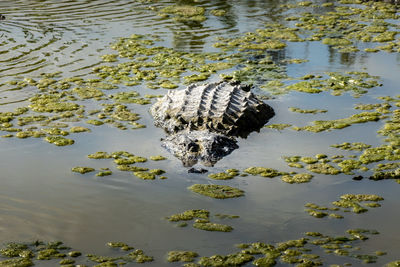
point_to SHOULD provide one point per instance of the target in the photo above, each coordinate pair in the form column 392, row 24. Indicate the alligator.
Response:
column 203, row 121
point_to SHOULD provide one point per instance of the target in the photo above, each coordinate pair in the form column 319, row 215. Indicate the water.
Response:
column 40, row 198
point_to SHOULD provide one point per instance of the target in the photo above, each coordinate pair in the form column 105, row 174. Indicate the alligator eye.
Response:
column 193, row 147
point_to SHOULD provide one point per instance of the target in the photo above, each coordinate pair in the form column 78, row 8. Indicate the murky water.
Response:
column 40, row 198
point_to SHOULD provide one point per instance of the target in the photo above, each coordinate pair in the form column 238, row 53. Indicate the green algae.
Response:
column 357, row 203
column 16, row 263
column 78, row 129
column 218, row 12
column 319, row 126
column 297, row 178
column 227, row 175
column 262, row 171
column 278, row 126
column 99, row 155
column 208, row 226
column 185, row 12
column 189, row 215
column 323, row 168
column 351, row 146
column 59, row 140
column 83, row 170
column 95, row 122
column 156, row 171
column 237, row 259
column 157, row 158
column 311, row 111
column 104, row 173
column 216, row 191
column 184, row 256
column 144, row 175
column 129, row 97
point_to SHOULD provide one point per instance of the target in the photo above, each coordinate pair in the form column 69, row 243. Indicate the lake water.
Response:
column 41, row 198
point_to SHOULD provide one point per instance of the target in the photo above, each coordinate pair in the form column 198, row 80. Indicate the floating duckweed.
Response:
column 144, row 175
column 278, row 126
column 316, row 214
column 323, row 168
column 116, row 244
column 216, row 191
column 297, row 178
column 59, row 140
column 320, row 126
column 157, row 158
column 237, row 259
column 185, row 12
column 55, row 131
column 156, row 171
column 129, row 97
column 79, row 129
column 208, row 226
column 189, row 215
column 295, row 165
column 51, row 103
column 348, row 165
column 83, row 170
column 66, row 261
column 351, row 146
column 26, row 134
column 88, row 92
column 375, row 154
column 104, row 173
column 264, row 172
column 99, row 155
column 228, row 174
column 16, row 262
column 130, row 160
column 47, row 254
column 336, row 41
column 308, row 160
column 185, row 256
column 139, row 256
column 95, row 122
column 218, row 12
column 312, row 111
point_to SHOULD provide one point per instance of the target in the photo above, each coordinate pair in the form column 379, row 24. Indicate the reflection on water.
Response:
column 40, row 198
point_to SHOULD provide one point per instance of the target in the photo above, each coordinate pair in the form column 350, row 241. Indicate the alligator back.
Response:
column 221, row 107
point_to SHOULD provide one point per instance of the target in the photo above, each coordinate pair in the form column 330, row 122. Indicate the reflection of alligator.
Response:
column 203, row 120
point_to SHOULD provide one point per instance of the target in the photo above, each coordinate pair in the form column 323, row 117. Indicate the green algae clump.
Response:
column 216, row 191
column 79, row 129
column 208, row 226
column 83, row 170
column 157, row 158
column 59, row 140
column 228, row 174
column 144, row 175
column 185, row 256
column 323, row 168
column 99, row 155
column 237, row 259
column 264, row 172
column 189, row 215
column 297, row 178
